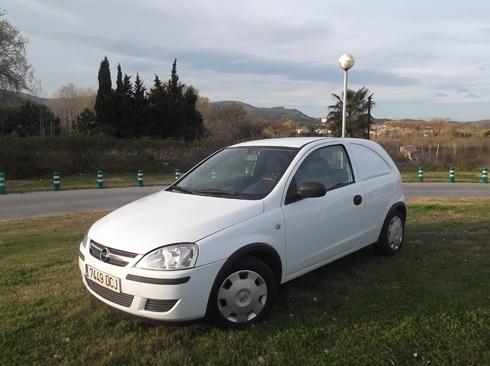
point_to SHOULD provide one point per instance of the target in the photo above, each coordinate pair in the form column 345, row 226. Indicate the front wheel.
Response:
column 243, row 294
column 392, row 233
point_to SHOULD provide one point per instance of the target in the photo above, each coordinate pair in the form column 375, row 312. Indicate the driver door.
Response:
column 320, row 229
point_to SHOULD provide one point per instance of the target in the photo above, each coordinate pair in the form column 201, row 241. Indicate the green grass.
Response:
column 87, row 181
column 432, row 300
column 441, row 176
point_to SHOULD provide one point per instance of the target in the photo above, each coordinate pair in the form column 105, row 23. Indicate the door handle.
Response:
column 357, row 200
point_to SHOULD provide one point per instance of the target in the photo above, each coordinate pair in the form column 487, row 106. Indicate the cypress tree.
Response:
column 104, row 102
column 176, row 122
column 119, row 104
column 119, row 81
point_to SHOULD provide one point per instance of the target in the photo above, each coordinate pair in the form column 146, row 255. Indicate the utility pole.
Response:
column 370, row 99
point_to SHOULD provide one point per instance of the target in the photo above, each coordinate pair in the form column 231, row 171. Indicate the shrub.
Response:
column 31, row 157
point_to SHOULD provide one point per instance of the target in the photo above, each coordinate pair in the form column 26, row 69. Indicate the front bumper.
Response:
column 156, row 295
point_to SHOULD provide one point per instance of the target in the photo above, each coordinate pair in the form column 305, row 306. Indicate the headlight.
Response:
column 85, row 241
column 171, row 257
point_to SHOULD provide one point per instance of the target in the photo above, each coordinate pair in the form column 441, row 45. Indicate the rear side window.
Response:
column 370, row 164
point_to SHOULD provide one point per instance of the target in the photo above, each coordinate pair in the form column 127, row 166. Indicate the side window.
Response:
column 329, row 165
column 370, row 164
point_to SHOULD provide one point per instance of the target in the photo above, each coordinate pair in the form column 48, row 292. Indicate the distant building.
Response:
column 302, row 131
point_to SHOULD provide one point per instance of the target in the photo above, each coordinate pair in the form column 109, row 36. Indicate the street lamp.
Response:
column 346, row 61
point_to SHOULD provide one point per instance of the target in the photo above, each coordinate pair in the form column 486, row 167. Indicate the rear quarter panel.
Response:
column 380, row 192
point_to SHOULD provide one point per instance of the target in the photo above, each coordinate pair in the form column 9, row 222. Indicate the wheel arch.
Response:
column 400, row 206
column 265, row 252
column 397, row 206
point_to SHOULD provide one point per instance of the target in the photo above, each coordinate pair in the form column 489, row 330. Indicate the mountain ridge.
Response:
column 279, row 113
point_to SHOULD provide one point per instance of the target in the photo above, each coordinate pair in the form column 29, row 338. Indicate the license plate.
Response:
column 103, row 279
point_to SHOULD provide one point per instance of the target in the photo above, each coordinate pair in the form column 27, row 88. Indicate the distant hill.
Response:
column 272, row 114
column 12, row 99
column 483, row 122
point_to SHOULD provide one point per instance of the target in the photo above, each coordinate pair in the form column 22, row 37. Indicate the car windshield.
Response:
column 238, row 172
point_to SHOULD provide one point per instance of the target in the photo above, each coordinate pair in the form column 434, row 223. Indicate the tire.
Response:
column 392, row 234
column 242, row 293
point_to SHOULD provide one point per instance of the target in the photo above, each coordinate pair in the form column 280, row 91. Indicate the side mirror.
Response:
column 311, row 189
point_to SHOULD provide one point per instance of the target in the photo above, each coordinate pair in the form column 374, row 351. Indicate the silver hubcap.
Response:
column 395, row 232
column 242, row 296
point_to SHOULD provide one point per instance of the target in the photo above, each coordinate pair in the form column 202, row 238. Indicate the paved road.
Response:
column 430, row 190
column 24, row 205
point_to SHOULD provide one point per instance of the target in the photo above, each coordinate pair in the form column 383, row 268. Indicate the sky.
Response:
column 421, row 59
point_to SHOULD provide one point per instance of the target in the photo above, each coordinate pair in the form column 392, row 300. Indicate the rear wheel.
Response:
column 243, row 294
column 392, row 233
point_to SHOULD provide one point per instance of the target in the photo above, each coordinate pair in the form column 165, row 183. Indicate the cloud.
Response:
column 277, row 51
column 226, row 61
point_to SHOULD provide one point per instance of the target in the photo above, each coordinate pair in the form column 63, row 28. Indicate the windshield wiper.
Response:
column 217, row 192
column 181, row 189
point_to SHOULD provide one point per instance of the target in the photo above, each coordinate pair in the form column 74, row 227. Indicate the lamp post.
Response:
column 346, row 61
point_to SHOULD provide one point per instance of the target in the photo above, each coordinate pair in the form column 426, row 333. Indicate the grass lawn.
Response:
column 428, row 305
column 87, row 181
column 441, row 176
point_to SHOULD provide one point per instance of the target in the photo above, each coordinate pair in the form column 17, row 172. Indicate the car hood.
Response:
column 170, row 217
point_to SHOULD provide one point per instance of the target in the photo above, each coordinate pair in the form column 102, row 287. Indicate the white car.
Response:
column 219, row 241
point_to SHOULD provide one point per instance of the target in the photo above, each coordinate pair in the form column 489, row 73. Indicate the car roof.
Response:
column 282, row 142
column 295, row 142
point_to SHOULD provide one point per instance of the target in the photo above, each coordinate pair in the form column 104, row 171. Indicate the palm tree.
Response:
column 356, row 114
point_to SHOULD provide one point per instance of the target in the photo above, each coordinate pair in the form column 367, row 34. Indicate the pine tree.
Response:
column 193, row 119
column 139, row 121
column 158, row 103
column 126, row 113
column 139, row 89
column 104, row 102
column 127, row 87
column 85, row 122
column 174, row 87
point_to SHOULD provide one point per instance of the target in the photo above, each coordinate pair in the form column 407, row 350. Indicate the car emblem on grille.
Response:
column 104, row 255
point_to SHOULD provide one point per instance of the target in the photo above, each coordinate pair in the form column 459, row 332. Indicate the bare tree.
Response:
column 15, row 72
column 69, row 101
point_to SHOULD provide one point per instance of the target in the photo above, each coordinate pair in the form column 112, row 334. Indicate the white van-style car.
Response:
column 219, row 241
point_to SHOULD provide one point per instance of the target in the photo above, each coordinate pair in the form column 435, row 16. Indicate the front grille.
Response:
column 115, row 297
column 96, row 249
column 159, row 305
